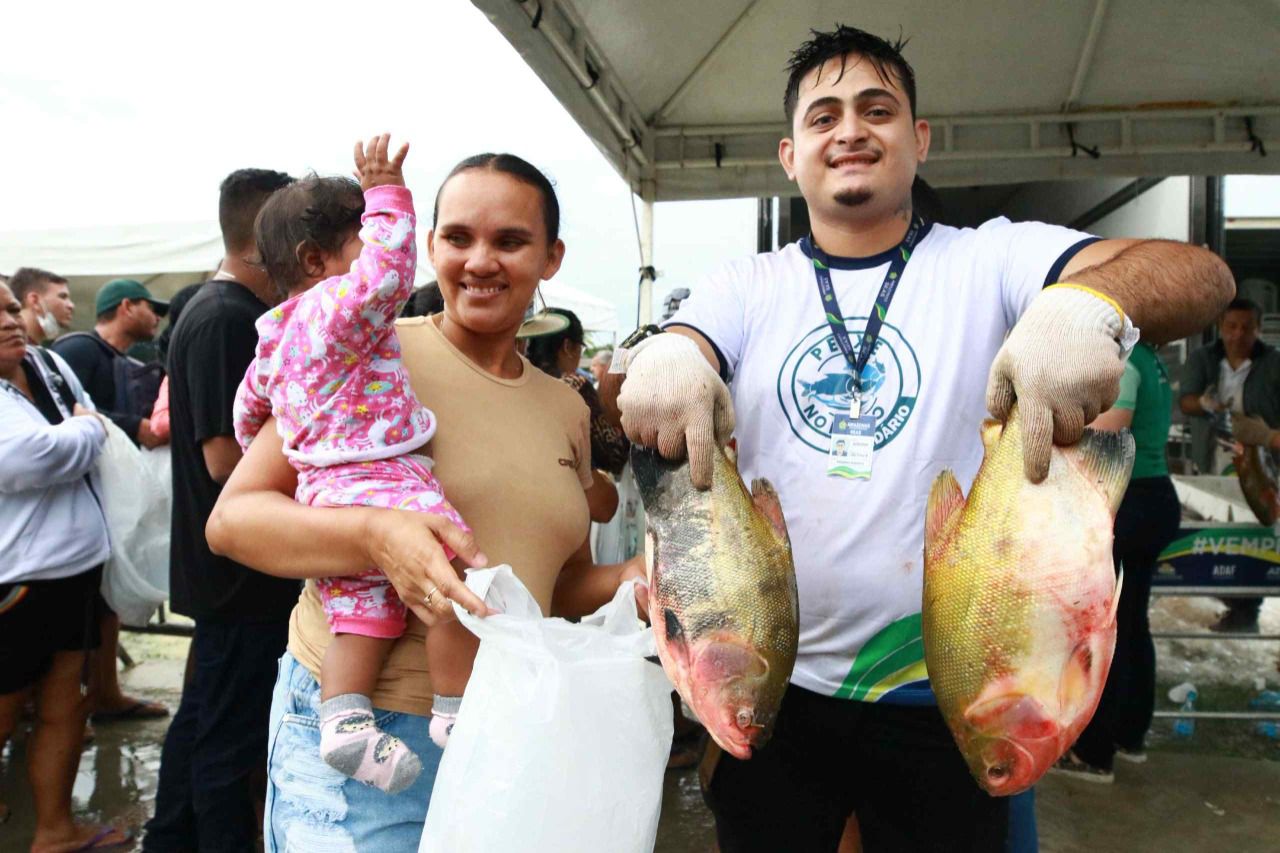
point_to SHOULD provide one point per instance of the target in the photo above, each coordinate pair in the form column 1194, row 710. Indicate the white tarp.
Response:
column 169, row 256
column 165, row 256
column 597, row 315
column 685, row 99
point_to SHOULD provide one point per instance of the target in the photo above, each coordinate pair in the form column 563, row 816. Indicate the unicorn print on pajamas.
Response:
column 328, row 368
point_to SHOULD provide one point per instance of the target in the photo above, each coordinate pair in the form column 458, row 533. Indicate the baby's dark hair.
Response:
column 313, row 213
column 520, row 169
column 884, row 56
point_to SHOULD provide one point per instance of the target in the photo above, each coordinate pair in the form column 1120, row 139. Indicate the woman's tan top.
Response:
column 514, row 457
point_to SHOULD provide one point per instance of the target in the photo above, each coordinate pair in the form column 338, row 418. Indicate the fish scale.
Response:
column 722, row 595
column 1018, row 610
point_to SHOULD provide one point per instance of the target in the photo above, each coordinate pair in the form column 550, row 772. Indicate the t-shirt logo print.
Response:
column 815, row 384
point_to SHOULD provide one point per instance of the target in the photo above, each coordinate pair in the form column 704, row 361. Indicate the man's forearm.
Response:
column 610, row 386
column 1190, row 405
column 1169, row 290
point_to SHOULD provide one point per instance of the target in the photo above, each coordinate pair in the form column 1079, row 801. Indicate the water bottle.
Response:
column 1184, row 694
column 1267, row 700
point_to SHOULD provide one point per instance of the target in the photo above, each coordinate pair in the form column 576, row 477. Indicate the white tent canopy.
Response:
column 164, row 256
column 685, row 99
column 169, row 256
column 597, row 315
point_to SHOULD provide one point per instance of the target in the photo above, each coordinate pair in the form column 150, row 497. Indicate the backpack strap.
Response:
column 56, row 380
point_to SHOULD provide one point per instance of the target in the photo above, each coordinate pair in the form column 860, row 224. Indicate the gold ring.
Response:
column 431, row 595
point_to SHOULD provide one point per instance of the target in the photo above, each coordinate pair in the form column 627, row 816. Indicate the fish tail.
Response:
column 1106, row 459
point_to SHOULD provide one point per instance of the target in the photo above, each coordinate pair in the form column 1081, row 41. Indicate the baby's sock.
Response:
column 352, row 744
column 444, row 713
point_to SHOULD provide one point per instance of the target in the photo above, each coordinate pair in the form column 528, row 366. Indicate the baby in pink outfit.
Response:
column 328, row 369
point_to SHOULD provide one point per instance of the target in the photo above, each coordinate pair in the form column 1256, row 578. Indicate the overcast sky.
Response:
column 135, row 117
column 123, row 113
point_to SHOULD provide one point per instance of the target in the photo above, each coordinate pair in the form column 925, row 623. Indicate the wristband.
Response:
column 622, row 354
column 1129, row 334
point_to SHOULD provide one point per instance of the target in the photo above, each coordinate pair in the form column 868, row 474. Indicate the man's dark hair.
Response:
column 885, row 57
column 520, row 169
column 240, row 197
column 543, row 349
column 1240, row 303
column 32, row 280
column 313, row 213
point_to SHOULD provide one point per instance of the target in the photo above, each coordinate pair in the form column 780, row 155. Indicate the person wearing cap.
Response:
column 127, row 314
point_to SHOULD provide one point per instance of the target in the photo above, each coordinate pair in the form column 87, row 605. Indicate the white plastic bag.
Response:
column 563, row 735
column 136, row 492
column 622, row 537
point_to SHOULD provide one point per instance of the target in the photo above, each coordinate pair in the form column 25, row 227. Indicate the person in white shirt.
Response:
column 54, row 539
column 1235, row 377
column 914, row 330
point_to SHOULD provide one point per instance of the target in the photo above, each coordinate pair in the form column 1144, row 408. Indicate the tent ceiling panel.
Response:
column 688, row 95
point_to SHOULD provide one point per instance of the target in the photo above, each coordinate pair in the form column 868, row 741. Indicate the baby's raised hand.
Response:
column 373, row 167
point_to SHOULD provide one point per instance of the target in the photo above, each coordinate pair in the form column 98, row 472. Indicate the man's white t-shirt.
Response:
column 1231, row 383
column 858, row 544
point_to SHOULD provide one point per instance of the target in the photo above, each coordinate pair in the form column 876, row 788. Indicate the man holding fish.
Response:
column 893, row 336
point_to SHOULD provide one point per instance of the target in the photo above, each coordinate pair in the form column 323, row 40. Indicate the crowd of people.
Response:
column 305, row 383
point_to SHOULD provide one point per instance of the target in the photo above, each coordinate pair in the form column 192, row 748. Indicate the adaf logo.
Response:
column 816, row 383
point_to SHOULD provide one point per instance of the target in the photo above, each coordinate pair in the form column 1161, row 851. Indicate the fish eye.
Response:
column 745, row 717
column 998, row 773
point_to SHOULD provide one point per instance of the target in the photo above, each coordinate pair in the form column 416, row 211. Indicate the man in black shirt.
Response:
column 215, row 752
column 127, row 314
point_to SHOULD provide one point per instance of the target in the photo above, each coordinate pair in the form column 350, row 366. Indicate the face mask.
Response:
column 48, row 325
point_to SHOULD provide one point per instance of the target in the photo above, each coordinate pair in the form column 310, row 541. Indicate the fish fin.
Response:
column 945, row 500
column 672, row 626
column 1106, row 460
column 765, row 497
column 991, row 431
column 1115, row 599
column 653, row 475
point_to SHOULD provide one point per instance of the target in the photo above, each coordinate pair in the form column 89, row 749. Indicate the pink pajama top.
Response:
column 328, row 361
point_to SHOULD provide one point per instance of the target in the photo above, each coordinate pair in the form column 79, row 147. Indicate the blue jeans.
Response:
column 311, row 806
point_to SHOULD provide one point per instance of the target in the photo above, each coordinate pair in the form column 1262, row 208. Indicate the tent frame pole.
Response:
column 648, row 194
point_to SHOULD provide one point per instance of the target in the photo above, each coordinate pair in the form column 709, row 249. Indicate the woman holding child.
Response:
column 511, row 451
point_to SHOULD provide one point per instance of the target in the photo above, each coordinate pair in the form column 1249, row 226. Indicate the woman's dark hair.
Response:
column 885, row 57
column 313, row 213
column 426, row 301
column 520, row 169
column 544, row 349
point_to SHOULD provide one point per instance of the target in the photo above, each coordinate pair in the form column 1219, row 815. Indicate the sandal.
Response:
column 106, row 838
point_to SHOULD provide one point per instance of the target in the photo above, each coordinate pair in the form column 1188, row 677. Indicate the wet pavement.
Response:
column 1218, row 790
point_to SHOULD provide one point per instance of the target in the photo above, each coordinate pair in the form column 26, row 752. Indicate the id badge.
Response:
column 853, row 441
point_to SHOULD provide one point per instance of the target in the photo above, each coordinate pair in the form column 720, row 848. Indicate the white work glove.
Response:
column 674, row 401
column 1209, row 401
column 1062, row 364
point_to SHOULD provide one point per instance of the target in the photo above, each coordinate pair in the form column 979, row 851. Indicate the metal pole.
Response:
column 648, row 192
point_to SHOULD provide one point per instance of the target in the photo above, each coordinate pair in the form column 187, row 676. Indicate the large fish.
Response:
column 1258, row 482
column 1020, row 596
column 722, row 595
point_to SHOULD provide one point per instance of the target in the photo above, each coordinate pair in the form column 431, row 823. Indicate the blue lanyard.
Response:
column 822, row 272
